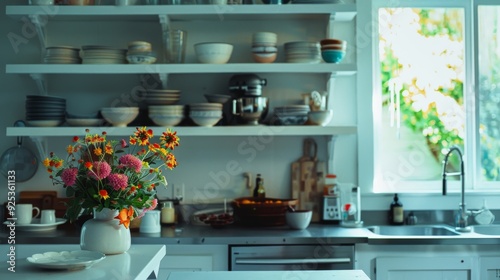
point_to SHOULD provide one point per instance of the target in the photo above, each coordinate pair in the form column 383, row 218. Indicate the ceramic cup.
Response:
column 150, row 222
column 48, row 216
column 24, row 213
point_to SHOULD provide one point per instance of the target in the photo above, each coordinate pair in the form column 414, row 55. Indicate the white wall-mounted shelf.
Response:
column 338, row 12
column 325, row 68
column 242, row 130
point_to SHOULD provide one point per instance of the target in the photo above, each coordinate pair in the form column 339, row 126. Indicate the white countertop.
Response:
column 139, row 262
column 252, row 275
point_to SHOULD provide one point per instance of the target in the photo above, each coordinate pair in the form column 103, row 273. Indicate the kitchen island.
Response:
column 138, row 263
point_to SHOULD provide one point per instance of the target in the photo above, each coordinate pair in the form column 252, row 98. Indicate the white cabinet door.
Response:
column 193, row 258
column 428, row 268
column 489, row 268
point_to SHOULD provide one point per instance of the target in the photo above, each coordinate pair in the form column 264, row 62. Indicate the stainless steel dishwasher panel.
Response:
column 292, row 257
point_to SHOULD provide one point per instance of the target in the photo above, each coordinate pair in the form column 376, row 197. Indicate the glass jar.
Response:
column 168, row 213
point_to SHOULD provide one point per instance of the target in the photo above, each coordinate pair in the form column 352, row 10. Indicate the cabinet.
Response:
column 193, row 258
column 429, row 261
column 50, row 22
column 489, row 268
column 416, row 268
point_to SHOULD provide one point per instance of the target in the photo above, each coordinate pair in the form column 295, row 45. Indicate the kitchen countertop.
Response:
column 139, row 262
column 234, row 235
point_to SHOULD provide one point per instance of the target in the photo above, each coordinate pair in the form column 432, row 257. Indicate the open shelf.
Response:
column 302, row 130
column 337, row 12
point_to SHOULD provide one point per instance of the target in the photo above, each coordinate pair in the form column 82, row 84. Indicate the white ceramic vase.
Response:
column 104, row 234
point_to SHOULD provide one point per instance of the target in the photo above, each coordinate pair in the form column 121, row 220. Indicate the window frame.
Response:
column 369, row 97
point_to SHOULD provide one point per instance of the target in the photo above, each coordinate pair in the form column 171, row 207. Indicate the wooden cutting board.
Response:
column 308, row 179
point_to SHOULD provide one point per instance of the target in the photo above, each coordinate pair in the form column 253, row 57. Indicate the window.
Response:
column 432, row 90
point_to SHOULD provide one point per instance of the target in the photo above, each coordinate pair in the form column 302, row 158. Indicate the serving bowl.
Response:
column 255, row 211
column 298, row 219
column 165, row 120
column 322, row 117
column 120, row 116
column 205, row 121
column 215, row 53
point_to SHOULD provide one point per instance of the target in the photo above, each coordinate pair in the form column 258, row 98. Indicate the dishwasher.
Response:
column 291, row 257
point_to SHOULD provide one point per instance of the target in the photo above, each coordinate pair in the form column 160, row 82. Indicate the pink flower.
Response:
column 118, row 181
column 68, row 176
column 132, row 162
column 154, row 203
column 100, row 170
column 123, row 143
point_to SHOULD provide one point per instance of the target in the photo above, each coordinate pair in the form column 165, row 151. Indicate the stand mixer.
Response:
column 249, row 104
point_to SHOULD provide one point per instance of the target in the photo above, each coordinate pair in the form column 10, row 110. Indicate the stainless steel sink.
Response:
column 487, row 229
column 420, row 230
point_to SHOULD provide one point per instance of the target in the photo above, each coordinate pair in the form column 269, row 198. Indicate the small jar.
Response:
column 168, row 213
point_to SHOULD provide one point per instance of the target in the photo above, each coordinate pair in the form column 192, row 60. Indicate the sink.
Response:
column 431, row 230
column 487, row 229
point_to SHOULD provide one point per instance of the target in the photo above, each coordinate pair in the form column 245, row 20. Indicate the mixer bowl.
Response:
column 251, row 109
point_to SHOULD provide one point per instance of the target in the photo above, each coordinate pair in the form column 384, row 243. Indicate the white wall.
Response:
column 202, row 161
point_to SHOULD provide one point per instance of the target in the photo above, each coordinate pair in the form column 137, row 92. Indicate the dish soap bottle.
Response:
column 261, row 192
column 396, row 215
column 258, row 181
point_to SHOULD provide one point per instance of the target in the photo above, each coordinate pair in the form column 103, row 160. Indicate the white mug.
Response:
column 24, row 213
column 150, row 222
column 48, row 216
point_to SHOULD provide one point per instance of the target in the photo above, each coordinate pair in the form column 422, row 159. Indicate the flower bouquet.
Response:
column 120, row 175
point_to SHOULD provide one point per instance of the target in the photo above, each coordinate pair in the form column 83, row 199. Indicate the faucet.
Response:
column 461, row 219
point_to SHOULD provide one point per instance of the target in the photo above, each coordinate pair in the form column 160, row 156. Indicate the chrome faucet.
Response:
column 461, row 219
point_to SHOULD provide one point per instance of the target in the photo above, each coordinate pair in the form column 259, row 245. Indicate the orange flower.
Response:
column 97, row 151
column 125, row 215
column 46, row 162
column 108, row 148
column 169, row 139
column 104, row 194
column 142, row 136
column 58, row 163
column 88, row 165
column 69, row 149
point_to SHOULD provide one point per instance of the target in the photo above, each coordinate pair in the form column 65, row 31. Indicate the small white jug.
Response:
column 150, row 222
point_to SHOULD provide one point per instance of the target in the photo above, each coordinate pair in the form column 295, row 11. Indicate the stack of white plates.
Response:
column 291, row 114
column 302, row 52
column 62, row 55
column 45, row 110
column 161, row 96
column 205, row 114
column 166, row 115
column 103, row 55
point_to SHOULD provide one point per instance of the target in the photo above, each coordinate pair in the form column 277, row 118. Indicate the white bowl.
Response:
column 214, row 113
column 166, row 120
column 84, row 122
column 141, row 59
column 298, row 219
column 320, row 117
column 216, row 53
column 120, row 116
column 205, row 121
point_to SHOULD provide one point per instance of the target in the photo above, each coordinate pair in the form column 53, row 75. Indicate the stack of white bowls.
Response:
column 103, row 55
column 161, row 96
column 45, row 110
column 140, row 52
column 291, row 114
column 302, row 52
column 119, row 116
column 166, row 115
column 264, row 47
column 205, row 114
column 62, row 55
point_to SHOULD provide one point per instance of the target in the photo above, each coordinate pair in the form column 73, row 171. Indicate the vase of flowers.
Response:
column 114, row 180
